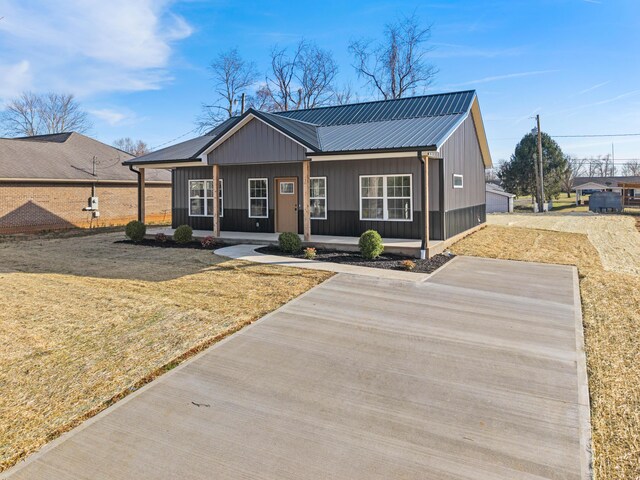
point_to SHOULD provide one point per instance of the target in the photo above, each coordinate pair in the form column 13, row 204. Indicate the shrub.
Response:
column 370, row 244
column 408, row 265
column 135, row 230
column 183, row 234
column 161, row 238
column 289, row 242
column 310, row 253
column 208, row 242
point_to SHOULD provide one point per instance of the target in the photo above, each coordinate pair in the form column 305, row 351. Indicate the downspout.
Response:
column 137, row 172
column 423, row 207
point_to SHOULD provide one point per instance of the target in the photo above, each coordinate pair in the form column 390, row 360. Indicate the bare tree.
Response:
column 60, row 112
column 232, row 76
column 280, row 91
column 21, row 117
column 345, row 96
column 302, row 78
column 631, row 168
column 33, row 114
column 135, row 148
column 316, row 74
column 575, row 168
column 397, row 66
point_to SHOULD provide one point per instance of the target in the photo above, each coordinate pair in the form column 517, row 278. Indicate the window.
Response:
column 457, row 181
column 386, row 197
column 201, row 198
column 286, row 188
column 258, row 198
column 318, row 198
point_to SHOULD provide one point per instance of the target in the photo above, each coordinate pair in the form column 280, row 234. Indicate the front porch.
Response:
column 400, row 246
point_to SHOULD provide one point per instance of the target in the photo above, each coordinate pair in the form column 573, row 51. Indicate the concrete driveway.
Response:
column 472, row 374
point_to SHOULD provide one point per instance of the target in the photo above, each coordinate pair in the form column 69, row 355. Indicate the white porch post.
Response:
column 216, row 200
column 306, row 199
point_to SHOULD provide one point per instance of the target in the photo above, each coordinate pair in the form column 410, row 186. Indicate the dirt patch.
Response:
column 615, row 237
column 611, row 316
column 85, row 321
column 385, row 261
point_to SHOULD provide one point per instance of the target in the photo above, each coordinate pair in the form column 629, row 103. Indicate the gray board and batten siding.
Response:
column 343, row 186
column 464, row 207
column 257, row 142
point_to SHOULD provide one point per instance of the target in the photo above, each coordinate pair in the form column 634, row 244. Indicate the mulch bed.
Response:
column 386, row 261
column 149, row 242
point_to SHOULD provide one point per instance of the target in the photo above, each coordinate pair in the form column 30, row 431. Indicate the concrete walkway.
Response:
column 248, row 253
column 476, row 373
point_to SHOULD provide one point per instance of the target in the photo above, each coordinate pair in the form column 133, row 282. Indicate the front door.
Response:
column 287, row 204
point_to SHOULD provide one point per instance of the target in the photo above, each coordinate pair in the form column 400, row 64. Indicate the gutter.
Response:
column 140, row 199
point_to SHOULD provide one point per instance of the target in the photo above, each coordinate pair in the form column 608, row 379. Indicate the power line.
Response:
column 174, row 139
column 598, row 135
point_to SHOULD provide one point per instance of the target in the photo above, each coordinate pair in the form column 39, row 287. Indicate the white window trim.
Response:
column 385, row 198
column 221, row 190
column 454, row 180
column 266, row 182
column 326, row 194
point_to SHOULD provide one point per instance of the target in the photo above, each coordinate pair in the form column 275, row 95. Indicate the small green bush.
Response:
column 135, row 231
column 289, row 242
column 183, row 234
column 370, row 244
column 310, row 253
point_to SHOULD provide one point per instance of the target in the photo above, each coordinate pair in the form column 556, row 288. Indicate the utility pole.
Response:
column 541, row 166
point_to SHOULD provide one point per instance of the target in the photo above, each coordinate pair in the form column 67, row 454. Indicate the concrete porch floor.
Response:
column 402, row 246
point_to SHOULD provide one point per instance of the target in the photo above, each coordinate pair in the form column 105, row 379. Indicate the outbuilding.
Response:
column 498, row 201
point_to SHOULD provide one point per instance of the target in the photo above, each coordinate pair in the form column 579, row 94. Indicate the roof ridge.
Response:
column 374, row 101
column 289, row 118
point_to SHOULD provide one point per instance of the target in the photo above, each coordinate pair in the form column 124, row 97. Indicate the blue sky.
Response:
column 140, row 68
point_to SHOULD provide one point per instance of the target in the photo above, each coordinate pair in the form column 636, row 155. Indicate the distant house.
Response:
column 411, row 168
column 69, row 180
column 498, row 200
column 627, row 186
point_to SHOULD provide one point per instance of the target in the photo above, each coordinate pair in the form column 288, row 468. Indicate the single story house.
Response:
column 411, row 168
column 498, row 201
column 68, row 180
column 626, row 186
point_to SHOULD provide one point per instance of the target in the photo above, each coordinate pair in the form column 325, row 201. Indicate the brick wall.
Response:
column 29, row 207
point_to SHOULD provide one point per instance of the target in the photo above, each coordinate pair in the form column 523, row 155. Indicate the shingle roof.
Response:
column 607, row 181
column 66, row 156
column 414, row 122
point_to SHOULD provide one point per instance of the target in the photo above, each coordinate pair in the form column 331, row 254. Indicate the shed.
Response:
column 498, row 201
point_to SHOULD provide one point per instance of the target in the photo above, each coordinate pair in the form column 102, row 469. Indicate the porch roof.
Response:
column 385, row 126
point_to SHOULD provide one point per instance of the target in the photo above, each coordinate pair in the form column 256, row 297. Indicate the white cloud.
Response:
column 109, row 116
column 15, row 77
column 88, row 47
column 507, row 76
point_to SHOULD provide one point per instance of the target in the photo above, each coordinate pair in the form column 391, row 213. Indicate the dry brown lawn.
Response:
column 83, row 321
column 611, row 315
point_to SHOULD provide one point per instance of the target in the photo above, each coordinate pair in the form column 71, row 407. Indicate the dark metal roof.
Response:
column 187, row 150
column 414, row 122
column 411, row 107
column 390, row 134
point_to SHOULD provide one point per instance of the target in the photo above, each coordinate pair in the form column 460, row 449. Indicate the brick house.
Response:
column 47, row 182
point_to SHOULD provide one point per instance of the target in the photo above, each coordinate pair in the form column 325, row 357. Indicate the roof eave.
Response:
column 428, row 148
